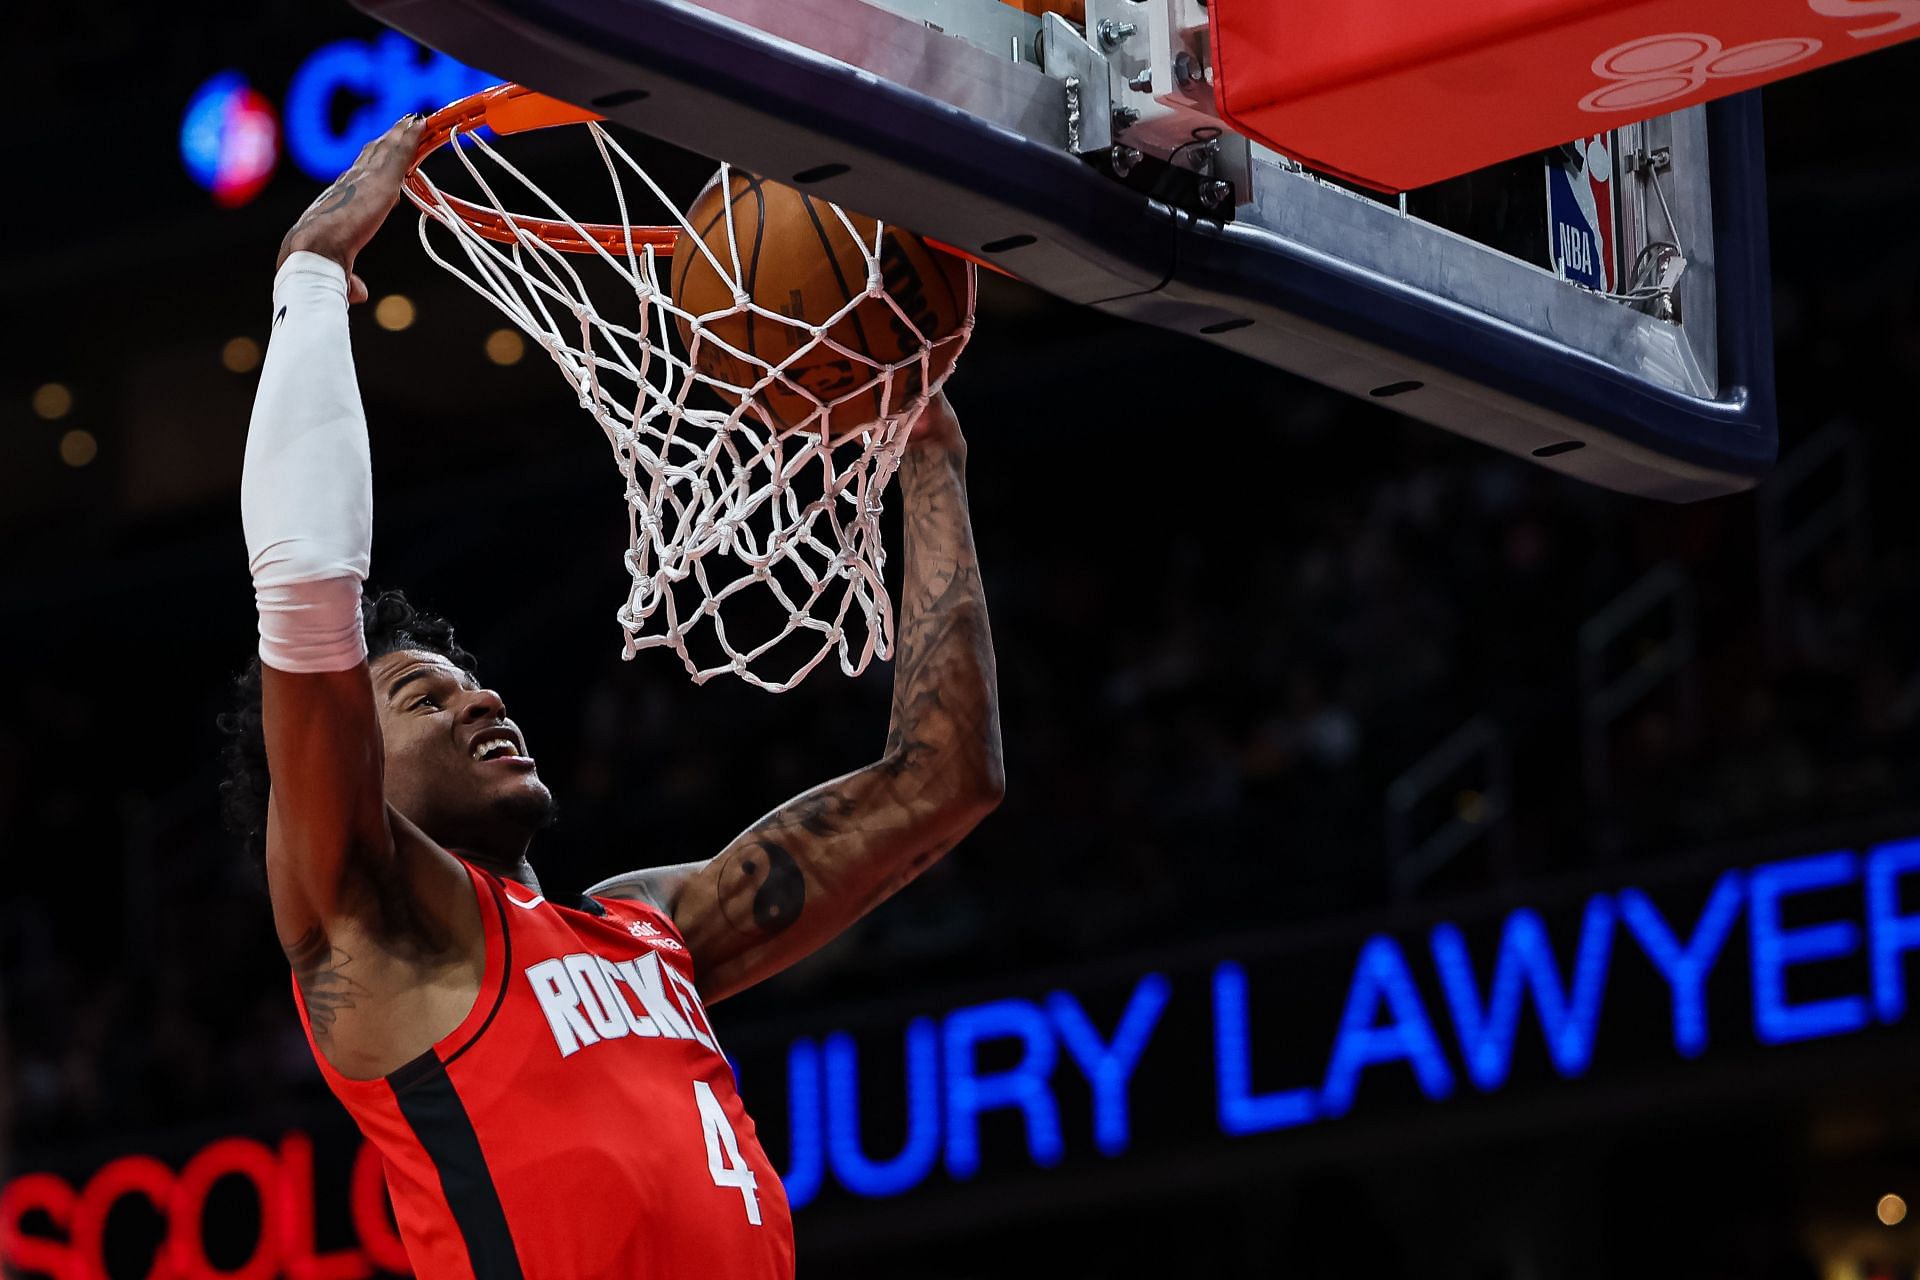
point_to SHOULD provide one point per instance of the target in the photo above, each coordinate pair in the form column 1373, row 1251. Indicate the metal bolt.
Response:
column 1141, row 82
column 1124, row 158
column 1112, row 33
column 1185, row 69
column 1124, row 118
column 1214, row 192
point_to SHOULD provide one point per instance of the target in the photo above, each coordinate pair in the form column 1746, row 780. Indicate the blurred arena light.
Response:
column 240, row 355
column 78, row 447
column 52, row 401
column 505, row 347
column 1891, row 1210
column 394, row 312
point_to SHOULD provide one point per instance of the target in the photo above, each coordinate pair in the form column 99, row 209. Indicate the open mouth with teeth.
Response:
column 496, row 747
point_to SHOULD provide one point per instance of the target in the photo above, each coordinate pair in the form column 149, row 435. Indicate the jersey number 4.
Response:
column 723, row 1150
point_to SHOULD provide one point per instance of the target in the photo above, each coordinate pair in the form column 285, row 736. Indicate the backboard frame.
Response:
column 881, row 112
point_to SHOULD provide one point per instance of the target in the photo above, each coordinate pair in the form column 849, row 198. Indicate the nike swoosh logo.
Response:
column 525, row 906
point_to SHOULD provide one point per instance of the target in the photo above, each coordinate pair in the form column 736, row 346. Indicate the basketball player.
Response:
column 540, row 1075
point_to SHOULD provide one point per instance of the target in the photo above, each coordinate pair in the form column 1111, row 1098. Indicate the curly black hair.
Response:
column 391, row 622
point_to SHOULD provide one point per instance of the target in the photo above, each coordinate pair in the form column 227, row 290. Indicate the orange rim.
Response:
column 509, row 109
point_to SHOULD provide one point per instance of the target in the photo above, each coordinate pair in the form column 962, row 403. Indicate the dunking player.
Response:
column 540, row 1075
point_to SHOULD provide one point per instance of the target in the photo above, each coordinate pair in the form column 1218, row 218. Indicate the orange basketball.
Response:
column 798, row 259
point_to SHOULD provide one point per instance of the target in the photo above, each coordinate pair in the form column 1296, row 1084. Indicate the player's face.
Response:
column 455, row 765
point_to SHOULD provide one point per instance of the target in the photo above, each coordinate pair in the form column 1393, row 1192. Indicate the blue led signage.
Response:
column 347, row 93
column 1251, row 1045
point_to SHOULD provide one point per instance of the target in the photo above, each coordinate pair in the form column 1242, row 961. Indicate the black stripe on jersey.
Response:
column 428, row 1100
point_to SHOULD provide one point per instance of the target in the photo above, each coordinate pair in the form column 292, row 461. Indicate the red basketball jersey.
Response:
column 582, row 1121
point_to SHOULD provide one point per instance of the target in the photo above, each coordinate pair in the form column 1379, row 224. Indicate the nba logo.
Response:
column 1580, row 213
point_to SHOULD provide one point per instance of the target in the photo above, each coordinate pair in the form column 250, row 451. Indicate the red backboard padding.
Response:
column 1395, row 94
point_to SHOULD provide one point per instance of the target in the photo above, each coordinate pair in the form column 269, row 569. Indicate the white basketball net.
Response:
column 777, row 528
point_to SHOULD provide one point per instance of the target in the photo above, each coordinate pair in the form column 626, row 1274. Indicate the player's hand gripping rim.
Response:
column 340, row 222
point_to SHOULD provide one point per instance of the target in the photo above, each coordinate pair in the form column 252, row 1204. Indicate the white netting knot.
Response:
column 777, row 525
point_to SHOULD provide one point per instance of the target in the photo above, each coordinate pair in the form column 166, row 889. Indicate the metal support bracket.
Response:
column 1067, row 56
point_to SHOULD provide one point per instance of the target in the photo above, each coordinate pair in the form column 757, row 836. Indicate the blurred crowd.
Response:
column 1204, row 712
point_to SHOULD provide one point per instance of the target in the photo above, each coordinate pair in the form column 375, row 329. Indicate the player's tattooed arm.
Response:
column 815, row 865
column 945, row 731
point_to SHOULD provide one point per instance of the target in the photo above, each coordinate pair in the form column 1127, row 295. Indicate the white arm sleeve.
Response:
column 306, row 493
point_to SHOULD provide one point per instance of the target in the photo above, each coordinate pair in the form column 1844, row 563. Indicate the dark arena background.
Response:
column 1413, row 863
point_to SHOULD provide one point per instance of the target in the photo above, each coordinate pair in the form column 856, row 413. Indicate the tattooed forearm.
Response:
column 945, row 706
column 762, row 889
column 319, row 968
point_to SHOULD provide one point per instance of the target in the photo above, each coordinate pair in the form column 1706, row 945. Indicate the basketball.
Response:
column 799, row 260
